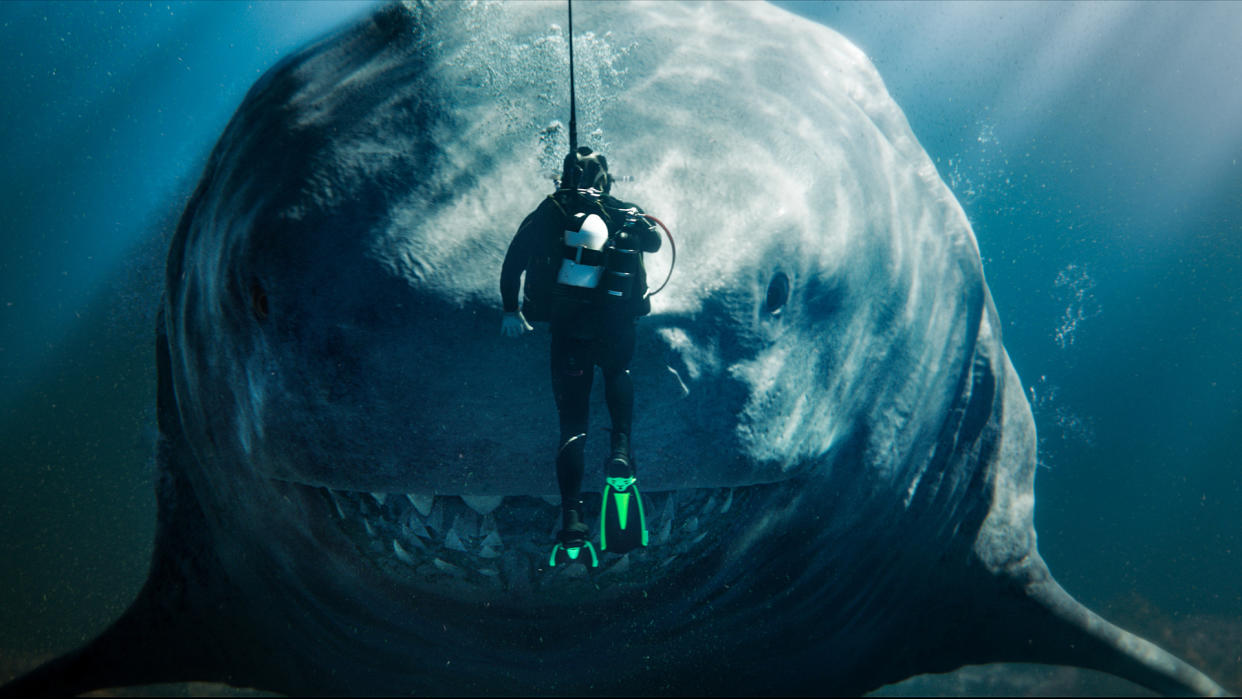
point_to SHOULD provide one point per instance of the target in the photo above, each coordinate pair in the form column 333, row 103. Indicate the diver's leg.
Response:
column 623, row 525
column 619, row 392
column 571, row 386
column 619, row 389
column 616, row 352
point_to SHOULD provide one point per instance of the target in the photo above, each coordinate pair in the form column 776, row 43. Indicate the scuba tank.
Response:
column 602, row 258
column 583, row 261
column 622, row 264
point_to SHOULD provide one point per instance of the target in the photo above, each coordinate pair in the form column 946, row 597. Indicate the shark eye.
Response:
column 778, row 293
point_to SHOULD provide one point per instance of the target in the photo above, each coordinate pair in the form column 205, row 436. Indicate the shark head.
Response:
column 358, row 470
column 333, row 304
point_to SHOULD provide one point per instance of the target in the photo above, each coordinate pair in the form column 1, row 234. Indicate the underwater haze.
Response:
column 1094, row 148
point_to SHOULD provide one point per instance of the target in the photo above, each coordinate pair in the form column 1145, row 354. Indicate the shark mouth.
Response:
column 473, row 547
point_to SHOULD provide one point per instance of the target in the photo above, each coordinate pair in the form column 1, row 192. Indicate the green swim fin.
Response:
column 563, row 554
column 623, row 524
column 569, row 545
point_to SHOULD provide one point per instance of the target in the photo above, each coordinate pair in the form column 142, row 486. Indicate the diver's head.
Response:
column 586, row 169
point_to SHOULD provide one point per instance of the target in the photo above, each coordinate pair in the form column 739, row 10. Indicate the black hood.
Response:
column 586, row 169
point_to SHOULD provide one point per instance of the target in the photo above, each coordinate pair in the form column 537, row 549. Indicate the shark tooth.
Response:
column 380, row 498
column 435, row 520
column 336, row 504
column 421, row 502
column 402, row 554
column 492, row 546
column 666, row 530
column 412, row 543
column 483, row 504
column 366, row 506
column 728, row 503
column 446, row 567
column 711, row 503
column 452, row 541
column 369, row 528
column 669, row 512
column 487, row 526
column 691, row 525
column 412, row 526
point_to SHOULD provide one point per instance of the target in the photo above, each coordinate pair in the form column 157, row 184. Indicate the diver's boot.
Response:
column 620, row 464
column 572, row 539
column 623, row 522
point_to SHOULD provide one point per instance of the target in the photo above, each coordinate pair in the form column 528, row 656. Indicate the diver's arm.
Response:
column 514, row 324
column 514, row 265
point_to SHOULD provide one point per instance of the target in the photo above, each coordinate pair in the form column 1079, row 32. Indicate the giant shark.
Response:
column 356, row 489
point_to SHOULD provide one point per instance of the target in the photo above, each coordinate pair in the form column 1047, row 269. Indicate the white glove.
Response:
column 514, row 325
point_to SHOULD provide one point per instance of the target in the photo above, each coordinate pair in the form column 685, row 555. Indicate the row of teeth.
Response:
column 506, row 540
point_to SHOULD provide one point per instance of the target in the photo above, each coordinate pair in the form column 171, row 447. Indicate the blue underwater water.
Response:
column 1094, row 147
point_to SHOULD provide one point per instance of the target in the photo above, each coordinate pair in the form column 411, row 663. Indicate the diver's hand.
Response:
column 514, row 325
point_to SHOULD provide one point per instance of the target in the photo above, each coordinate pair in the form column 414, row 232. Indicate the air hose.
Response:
column 672, row 246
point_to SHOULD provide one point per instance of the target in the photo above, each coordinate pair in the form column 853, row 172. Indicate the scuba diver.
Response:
column 581, row 251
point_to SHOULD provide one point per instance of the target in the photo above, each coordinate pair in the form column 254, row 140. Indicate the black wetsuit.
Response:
column 587, row 329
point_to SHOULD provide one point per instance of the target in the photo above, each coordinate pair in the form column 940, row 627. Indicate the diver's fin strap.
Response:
column 620, row 484
column 562, row 555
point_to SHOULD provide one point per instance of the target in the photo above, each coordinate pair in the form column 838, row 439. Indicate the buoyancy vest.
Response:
column 597, row 257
